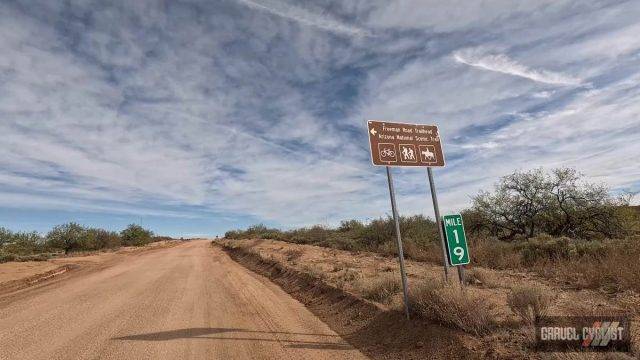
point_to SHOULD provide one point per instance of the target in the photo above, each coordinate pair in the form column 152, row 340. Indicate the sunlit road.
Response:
column 186, row 302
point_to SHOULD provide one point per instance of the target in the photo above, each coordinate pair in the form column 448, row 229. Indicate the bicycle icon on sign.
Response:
column 387, row 152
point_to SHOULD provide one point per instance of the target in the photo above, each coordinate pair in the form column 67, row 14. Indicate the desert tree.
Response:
column 559, row 203
column 136, row 235
column 67, row 237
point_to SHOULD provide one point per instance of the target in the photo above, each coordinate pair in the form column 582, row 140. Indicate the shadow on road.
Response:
column 177, row 334
column 319, row 346
column 203, row 333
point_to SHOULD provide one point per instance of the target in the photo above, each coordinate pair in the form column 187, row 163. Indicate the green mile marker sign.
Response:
column 457, row 250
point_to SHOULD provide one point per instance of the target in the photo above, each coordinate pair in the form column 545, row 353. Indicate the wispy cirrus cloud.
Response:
column 303, row 16
column 503, row 64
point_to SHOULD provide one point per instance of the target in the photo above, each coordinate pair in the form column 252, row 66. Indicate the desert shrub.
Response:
column 7, row 257
column 22, row 243
column 234, row 234
column 136, row 235
column 349, row 275
column 73, row 237
column 476, row 276
column 5, row 236
column 380, row 288
column 420, row 252
column 64, row 237
column 272, row 235
column 493, row 253
column 255, row 231
column 68, row 237
column 105, row 239
column 544, row 246
column 313, row 235
column 34, row 257
column 420, row 234
column 593, row 248
column 529, row 302
column 337, row 267
column 313, row 272
column 351, row 226
column 612, row 266
column 452, row 306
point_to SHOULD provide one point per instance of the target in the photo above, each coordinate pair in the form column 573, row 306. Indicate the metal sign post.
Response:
column 396, row 220
column 436, row 209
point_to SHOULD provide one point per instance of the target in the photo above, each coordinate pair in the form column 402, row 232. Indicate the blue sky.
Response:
column 193, row 118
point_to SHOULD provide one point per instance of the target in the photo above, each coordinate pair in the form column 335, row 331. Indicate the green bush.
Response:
column 105, row 239
column 419, row 232
column 544, row 246
column 22, row 243
column 136, row 235
column 68, row 237
column 5, row 236
column 493, row 253
column 7, row 257
column 255, row 231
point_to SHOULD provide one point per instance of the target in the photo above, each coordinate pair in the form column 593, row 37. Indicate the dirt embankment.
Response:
column 15, row 276
column 333, row 284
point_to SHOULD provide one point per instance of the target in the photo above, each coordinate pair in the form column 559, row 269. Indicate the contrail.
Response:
column 503, row 64
column 305, row 17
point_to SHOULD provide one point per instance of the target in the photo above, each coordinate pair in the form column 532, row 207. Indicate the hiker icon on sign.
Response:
column 408, row 153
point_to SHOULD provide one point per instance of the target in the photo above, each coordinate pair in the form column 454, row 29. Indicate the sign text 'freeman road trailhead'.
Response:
column 398, row 144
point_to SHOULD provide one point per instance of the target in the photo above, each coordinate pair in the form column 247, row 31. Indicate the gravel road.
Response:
column 184, row 302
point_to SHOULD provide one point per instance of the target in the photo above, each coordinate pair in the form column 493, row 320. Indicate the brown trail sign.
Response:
column 398, row 144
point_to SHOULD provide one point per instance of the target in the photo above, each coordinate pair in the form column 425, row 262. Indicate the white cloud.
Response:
column 503, row 64
column 453, row 14
column 250, row 117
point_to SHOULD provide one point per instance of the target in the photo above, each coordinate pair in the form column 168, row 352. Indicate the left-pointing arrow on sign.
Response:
column 373, row 132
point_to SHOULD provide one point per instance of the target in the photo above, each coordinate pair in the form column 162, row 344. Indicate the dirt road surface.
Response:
column 186, row 302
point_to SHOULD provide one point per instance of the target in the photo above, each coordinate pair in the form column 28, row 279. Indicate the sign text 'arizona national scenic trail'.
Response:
column 398, row 144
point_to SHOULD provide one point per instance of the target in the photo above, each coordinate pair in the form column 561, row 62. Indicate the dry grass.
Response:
column 450, row 305
column 529, row 302
column 614, row 270
column 337, row 267
column 314, row 272
column 346, row 276
column 477, row 276
column 381, row 288
column 588, row 356
column 293, row 254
